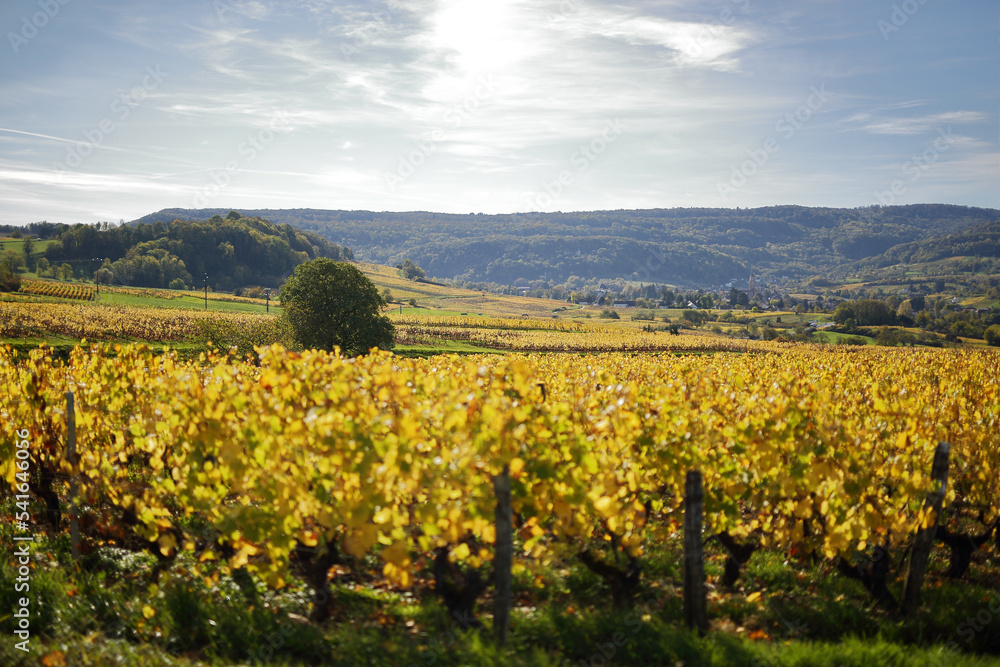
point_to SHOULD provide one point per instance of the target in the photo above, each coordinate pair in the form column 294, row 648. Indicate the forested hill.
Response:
column 687, row 246
column 234, row 251
column 977, row 241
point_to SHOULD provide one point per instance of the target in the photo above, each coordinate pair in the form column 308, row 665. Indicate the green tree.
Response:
column 695, row 317
column 992, row 335
column 9, row 282
column 104, row 276
column 411, row 271
column 12, row 260
column 29, row 250
column 865, row 313
column 332, row 304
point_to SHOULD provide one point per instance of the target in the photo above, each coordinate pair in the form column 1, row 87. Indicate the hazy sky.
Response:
column 112, row 110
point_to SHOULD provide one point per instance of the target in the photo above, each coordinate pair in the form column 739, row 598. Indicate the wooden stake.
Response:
column 694, row 559
column 504, row 557
column 924, row 540
column 74, row 526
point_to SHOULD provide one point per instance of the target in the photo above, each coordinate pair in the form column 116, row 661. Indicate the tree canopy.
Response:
column 683, row 246
column 332, row 304
column 865, row 313
column 9, row 280
column 411, row 271
column 232, row 252
column 992, row 335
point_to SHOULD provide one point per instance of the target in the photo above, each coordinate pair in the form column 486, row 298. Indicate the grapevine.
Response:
column 822, row 453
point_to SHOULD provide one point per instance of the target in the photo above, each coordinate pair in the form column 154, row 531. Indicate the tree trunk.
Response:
column 738, row 556
column 623, row 583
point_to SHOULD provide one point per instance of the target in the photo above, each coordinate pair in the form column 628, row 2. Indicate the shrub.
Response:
column 852, row 340
column 9, row 281
column 864, row 312
column 992, row 335
column 695, row 317
column 411, row 271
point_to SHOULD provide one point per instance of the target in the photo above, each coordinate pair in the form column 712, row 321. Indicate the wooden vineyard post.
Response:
column 694, row 564
column 504, row 557
column 74, row 526
column 925, row 536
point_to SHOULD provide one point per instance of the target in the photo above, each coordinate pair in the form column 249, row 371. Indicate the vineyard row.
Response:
column 823, row 454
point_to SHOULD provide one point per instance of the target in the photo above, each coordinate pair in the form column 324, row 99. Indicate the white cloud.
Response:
column 921, row 124
column 362, row 82
column 711, row 44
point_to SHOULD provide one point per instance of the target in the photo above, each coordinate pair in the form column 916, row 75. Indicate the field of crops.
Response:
column 565, row 336
column 457, row 299
column 431, row 322
column 100, row 322
column 177, row 294
column 823, row 454
column 58, row 290
column 314, row 474
column 123, row 323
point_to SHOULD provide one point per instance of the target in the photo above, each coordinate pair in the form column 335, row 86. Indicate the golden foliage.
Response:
column 823, row 451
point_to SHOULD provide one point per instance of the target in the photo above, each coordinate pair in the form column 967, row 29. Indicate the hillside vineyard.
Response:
column 243, row 460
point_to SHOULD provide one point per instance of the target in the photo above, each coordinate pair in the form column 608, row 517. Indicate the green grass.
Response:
column 805, row 614
column 441, row 347
column 422, row 310
column 17, row 245
column 835, row 337
column 981, row 302
column 187, row 300
column 61, row 346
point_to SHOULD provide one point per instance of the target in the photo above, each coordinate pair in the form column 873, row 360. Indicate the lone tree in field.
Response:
column 992, row 335
column 332, row 304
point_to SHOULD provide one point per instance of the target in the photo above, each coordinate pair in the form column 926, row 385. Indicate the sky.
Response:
column 113, row 110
